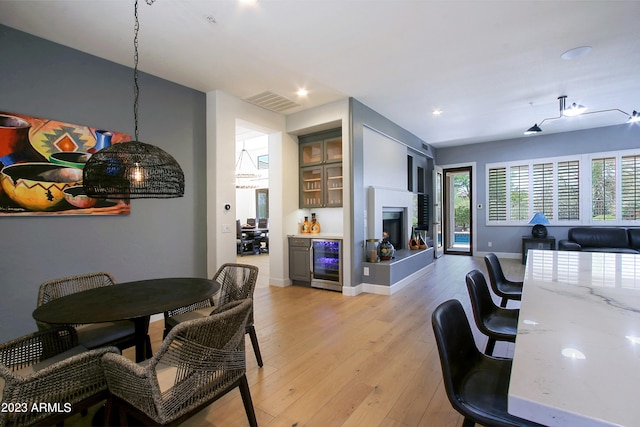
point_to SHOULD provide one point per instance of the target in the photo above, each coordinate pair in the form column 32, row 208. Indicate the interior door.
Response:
column 437, row 212
column 458, row 211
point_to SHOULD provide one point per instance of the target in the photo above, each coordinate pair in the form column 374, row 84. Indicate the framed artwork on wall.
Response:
column 41, row 163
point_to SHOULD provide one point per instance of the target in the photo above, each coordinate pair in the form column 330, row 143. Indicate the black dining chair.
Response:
column 503, row 287
column 476, row 384
column 497, row 323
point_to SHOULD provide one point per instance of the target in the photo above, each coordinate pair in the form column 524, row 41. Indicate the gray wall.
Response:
column 508, row 239
column 160, row 237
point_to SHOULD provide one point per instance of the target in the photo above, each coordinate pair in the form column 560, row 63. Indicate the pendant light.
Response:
column 134, row 169
column 576, row 110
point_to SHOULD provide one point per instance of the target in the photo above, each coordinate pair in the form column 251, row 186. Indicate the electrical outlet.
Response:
column 366, row 271
column 490, row 244
column 226, row 228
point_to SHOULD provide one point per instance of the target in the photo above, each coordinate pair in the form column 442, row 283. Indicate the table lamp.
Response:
column 539, row 231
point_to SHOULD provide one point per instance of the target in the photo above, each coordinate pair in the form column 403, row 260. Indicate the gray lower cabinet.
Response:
column 299, row 262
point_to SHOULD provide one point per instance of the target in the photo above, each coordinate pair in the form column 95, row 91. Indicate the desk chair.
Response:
column 237, row 282
column 503, row 287
column 476, row 384
column 49, row 367
column 198, row 362
column 245, row 242
column 120, row 334
column 497, row 323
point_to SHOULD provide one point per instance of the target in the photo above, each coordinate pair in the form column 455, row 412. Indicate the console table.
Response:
column 530, row 242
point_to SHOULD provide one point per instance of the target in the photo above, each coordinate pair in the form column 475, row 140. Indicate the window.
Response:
column 519, row 184
column 568, row 183
column 630, row 188
column 543, row 185
column 497, row 188
column 603, row 193
column 593, row 188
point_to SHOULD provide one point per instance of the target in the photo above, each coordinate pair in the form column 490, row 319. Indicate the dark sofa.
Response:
column 602, row 239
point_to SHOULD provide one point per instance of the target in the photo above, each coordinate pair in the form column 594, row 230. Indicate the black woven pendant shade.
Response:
column 133, row 170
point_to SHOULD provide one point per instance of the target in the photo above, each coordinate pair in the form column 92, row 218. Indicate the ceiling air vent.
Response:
column 272, row 101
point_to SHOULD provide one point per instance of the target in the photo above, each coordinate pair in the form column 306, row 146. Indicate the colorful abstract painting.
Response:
column 41, row 163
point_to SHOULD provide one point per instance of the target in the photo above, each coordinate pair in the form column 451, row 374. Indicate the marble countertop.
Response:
column 577, row 351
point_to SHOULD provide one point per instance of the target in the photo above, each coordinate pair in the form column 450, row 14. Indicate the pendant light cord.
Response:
column 136, row 88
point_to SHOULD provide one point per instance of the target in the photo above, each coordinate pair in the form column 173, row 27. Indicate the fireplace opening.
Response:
column 392, row 225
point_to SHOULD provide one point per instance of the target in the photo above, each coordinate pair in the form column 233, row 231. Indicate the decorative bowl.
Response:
column 77, row 197
column 38, row 186
column 70, row 159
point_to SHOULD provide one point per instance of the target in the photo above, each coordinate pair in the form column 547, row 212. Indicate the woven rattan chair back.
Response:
column 48, row 367
column 206, row 359
column 57, row 288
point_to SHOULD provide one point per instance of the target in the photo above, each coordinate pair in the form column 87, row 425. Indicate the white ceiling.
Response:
column 492, row 67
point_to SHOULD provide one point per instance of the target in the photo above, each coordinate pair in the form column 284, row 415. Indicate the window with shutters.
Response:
column 519, row 185
column 603, row 189
column 497, row 200
column 584, row 189
column 630, row 188
column 543, row 188
column 568, row 188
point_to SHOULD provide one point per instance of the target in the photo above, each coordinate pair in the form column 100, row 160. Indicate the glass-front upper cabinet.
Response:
column 321, row 169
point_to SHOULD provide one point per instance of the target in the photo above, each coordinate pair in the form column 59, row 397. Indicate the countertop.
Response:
column 317, row 236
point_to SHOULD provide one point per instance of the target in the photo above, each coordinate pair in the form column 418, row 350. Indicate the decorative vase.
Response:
column 103, row 140
column 304, row 226
column 386, row 250
column 372, row 249
column 414, row 243
column 314, row 228
column 422, row 243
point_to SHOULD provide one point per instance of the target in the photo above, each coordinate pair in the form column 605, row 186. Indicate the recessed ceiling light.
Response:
column 249, row 2
column 576, row 53
column 302, row 92
column 437, row 112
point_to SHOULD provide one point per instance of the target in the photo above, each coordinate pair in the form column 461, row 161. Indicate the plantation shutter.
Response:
column 543, row 189
column 569, row 190
column 630, row 194
column 519, row 184
column 497, row 209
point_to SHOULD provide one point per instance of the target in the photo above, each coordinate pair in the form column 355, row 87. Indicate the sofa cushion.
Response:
column 634, row 238
column 614, row 250
column 599, row 237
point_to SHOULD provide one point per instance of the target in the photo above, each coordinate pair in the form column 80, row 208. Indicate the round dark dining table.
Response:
column 135, row 301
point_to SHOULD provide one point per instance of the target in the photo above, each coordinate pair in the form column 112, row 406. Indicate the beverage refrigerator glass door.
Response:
column 326, row 265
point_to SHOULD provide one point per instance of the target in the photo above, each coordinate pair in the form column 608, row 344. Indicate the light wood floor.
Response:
column 332, row 360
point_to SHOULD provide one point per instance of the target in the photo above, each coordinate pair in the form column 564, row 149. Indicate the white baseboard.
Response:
column 506, row 255
column 385, row 290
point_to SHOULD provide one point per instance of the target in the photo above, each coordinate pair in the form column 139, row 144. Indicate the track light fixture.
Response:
column 577, row 110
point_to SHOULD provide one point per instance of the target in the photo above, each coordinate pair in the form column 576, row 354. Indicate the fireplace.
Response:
column 392, row 225
column 390, row 210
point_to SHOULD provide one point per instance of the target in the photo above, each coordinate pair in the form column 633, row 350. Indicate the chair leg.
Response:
column 504, row 302
column 251, row 330
column 468, row 423
column 246, row 400
column 491, row 343
column 147, row 344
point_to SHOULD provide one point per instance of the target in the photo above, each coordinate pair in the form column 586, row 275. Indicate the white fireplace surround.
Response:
column 381, row 198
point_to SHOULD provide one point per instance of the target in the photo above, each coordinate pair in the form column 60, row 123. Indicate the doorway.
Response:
column 457, row 212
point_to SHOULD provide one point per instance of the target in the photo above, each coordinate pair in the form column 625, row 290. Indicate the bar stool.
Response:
column 477, row 385
column 503, row 287
column 499, row 324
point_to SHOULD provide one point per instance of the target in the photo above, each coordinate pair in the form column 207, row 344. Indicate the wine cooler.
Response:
column 326, row 264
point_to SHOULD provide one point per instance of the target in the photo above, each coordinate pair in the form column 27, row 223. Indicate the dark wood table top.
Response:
column 128, row 300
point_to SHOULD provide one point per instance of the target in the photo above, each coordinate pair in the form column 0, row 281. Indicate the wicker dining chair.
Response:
column 48, row 367
column 198, row 362
column 237, row 282
column 120, row 333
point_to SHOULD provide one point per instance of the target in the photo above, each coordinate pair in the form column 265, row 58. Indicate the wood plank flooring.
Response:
column 331, row 360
